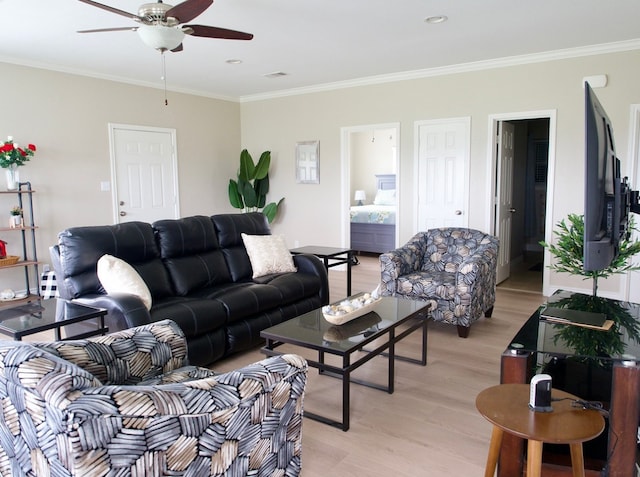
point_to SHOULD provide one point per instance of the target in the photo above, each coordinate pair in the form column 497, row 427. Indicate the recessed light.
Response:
column 275, row 74
column 234, row 62
column 436, row 19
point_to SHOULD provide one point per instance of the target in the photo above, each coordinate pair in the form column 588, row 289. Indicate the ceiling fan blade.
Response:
column 100, row 30
column 112, row 9
column 178, row 48
column 188, row 10
column 215, row 32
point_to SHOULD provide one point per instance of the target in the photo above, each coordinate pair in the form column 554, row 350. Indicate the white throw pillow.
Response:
column 385, row 197
column 268, row 254
column 117, row 276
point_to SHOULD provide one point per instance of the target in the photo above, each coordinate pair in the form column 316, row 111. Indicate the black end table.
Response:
column 331, row 256
column 42, row 315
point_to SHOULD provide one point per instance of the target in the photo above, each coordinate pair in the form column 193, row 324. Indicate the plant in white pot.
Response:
column 13, row 156
column 16, row 216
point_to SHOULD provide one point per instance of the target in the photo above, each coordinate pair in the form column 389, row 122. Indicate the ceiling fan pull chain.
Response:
column 164, row 77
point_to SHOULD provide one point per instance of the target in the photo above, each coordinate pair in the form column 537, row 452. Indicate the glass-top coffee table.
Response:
column 391, row 320
column 52, row 314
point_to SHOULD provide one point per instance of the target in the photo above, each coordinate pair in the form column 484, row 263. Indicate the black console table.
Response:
column 593, row 364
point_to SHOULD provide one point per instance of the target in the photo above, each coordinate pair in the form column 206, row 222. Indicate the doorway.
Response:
column 368, row 152
column 144, row 173
column 522, row 191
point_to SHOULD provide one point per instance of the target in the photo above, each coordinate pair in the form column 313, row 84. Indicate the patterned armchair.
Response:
column 454, row 268
column 127, row 404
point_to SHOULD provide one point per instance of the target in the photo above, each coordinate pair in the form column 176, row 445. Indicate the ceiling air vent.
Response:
column 275, row 74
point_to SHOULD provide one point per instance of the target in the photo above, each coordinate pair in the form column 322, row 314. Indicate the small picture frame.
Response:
column 308, row 162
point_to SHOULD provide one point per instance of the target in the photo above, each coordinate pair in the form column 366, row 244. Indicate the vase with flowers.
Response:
column 13, row 156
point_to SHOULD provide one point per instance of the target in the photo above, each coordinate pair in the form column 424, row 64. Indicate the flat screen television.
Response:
column 608, row 199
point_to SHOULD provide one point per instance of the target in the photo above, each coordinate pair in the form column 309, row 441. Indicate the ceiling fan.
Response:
column 162, row 25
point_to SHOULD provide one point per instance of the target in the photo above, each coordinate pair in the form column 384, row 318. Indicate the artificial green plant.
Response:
column 249, row 191
column 569, row 251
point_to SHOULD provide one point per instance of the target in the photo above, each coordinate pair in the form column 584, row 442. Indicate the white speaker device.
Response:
column 540, row 393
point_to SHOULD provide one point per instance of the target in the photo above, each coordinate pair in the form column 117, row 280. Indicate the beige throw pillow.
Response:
column 117, row 276
column 268, row 254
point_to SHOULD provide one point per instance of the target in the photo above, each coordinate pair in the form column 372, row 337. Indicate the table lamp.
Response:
column 360, row 196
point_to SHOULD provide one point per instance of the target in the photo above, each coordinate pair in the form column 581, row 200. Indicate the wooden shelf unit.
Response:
column 29, row 257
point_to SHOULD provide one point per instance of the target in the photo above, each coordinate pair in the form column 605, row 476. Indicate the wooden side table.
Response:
column 506, row 406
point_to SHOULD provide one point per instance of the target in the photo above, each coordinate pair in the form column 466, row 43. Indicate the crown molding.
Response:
column 554, row 55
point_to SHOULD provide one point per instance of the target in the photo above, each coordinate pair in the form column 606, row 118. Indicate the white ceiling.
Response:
column 315, row 42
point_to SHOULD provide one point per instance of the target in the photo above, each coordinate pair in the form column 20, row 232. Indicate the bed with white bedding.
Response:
column 373, row 226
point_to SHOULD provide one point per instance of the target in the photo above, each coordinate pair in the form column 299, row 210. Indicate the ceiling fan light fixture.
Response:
column 161, row 37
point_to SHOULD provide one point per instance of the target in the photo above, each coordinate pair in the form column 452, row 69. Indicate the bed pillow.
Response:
column 117, row 276
column 385, row 197
column 268, row 254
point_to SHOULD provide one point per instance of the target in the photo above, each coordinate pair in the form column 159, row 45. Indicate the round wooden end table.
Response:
column 506, row 406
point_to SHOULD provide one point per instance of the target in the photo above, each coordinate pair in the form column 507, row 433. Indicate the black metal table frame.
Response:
column 336, row 258
column 416, row 321
column 56, row 326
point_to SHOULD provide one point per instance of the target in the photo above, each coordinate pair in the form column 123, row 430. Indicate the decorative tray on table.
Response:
column 350, row 308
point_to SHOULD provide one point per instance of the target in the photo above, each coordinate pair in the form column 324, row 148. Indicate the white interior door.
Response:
column 506, row 133
column 144, row 170
column 443, row 173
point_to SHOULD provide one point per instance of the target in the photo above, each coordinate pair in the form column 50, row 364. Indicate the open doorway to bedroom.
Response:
column 370, row 178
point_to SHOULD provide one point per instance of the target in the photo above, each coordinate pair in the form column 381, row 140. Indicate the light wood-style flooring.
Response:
column 429, row 426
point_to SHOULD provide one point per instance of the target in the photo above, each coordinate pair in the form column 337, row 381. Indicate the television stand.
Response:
column 614, row 361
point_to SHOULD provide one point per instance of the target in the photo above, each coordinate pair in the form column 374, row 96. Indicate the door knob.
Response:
column 512, row 210
column 122, row 202
column 122, row 213
column 458, row 212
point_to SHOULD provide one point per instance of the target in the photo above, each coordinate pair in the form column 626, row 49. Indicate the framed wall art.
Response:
column 308, row 162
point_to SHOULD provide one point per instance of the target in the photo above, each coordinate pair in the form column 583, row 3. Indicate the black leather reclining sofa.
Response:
column 199, row 275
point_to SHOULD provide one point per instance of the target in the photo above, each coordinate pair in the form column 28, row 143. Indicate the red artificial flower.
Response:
column 32, row 147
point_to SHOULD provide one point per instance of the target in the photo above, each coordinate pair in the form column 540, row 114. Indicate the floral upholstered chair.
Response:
column 128, row 404
column 454, row 268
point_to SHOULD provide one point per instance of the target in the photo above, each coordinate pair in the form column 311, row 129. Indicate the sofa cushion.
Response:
column 190, row 251
column 134, row 242
column 229, row 228
column 117, row 276
column 246, row 300
column 194, row 316
column 268, row 254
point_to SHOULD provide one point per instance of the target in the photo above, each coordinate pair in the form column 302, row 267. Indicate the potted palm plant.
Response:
column 568, row 251
column 249, row 191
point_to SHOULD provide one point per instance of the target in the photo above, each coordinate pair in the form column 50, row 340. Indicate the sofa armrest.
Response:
column 250, row 416
column 123, row 310
column 126, row 357
column 311, row 264
column 401, row 261
column 480, row 266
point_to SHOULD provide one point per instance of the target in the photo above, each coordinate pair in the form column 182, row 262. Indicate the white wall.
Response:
column 66, row 117
column 312, row 212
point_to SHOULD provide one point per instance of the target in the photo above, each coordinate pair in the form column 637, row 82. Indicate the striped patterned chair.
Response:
column 454, row 268
column 128, row 404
